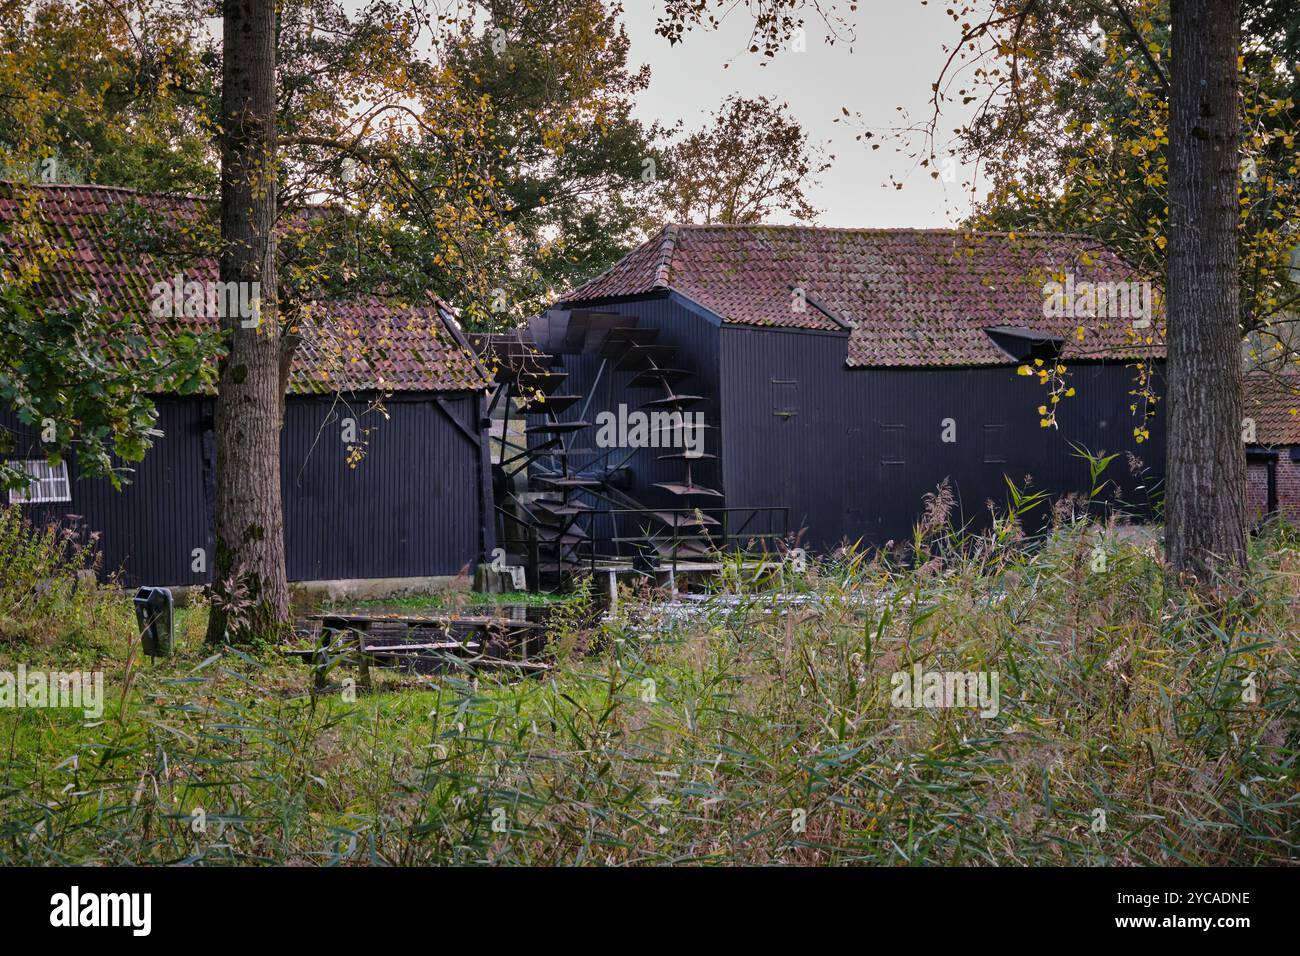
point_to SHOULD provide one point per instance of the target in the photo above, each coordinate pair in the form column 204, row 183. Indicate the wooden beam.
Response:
column 473, row 436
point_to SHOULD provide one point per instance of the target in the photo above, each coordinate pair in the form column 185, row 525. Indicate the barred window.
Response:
column 46, row 482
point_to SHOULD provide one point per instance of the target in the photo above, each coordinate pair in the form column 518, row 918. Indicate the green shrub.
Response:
column 48, row 589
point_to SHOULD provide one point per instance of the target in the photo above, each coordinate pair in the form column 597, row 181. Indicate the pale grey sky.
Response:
column 897, row 54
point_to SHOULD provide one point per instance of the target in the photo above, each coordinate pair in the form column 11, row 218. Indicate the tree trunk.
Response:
column 1205, row 491
column 249, row 590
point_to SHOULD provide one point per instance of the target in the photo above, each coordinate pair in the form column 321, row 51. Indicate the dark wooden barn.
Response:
column 383, row 459
column 842, row 375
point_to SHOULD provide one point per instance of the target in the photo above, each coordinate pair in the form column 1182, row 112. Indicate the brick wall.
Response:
column 1288, row 487
column 1257, row 490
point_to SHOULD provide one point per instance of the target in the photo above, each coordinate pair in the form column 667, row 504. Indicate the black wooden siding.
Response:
column 150, row 529
column 853, row 451
column 412, row 507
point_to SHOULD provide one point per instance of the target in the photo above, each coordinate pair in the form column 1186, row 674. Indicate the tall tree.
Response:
column 1206, row 467
column 391, row 168
column 753, row 161
column 1101, row 118
column 107, row 91
column 576, row 170
column 250, row 589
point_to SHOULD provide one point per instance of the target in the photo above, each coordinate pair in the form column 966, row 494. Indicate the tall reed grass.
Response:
column 1138, row 724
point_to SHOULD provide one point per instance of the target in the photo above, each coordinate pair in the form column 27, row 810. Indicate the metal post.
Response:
column 321, row 657
column 534, row 561
column 363, row 662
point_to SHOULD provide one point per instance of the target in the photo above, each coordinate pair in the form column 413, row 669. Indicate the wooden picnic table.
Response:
column 479, row 619
column 335, row 628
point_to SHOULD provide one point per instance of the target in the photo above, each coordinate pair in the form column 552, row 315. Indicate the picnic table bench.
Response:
column 381, row 639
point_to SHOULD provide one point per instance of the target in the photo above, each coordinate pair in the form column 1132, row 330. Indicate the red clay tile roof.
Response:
column 913, row 297
column 1273, row 401
column 111, row 241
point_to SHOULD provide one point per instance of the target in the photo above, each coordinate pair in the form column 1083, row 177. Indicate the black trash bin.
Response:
column 153, row 612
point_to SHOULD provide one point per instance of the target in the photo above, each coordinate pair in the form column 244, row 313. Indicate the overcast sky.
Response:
column 897, row 54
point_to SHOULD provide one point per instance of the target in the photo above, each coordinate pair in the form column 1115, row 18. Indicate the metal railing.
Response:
column 743, row 530
column 749, row 527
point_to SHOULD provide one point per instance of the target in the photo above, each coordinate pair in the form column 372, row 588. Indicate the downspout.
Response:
column 487, row 513
column 1269, row 458
column 1272, row 485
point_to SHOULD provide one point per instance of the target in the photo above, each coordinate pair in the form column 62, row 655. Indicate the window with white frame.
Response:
column 46, row 482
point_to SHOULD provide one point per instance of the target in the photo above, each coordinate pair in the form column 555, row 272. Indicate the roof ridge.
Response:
column 886, row 230
column 665, row 237
column 155, row 193
column 667, row 248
